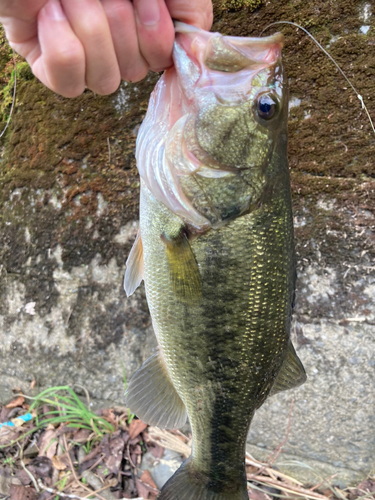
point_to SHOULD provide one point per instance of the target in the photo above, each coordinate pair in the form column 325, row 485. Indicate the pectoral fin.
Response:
column 152, row 396
column 183, row 267
column 292, row 373
column 134, row 267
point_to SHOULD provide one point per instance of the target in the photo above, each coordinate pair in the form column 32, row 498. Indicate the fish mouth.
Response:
column 228, row 53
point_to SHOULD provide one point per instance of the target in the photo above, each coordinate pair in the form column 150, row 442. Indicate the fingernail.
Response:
column 148, row 11
column 54, row 11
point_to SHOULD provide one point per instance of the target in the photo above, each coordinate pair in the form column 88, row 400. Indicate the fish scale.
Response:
column 219, row 286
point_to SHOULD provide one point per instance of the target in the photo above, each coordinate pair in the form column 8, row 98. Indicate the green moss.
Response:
column 240, row 4
column 7, row 76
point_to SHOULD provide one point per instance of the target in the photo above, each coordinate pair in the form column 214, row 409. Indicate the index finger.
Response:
column 155, row 32
column 199, row 13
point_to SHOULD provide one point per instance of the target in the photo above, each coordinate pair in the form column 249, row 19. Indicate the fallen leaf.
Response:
column 5, row 481
column 146, row 478
column 4, row 414
column 22, row 493
column 109, row 416
column 157, row 450
column 16, row 402
column 368, row 486
column 58, row 463
column 81, row 436
column 144, row 490
column 8, row 434
column 136, row 427
column 19, row 422
column 257, row 495
column 41, row 467
column 113, row 462
column 47, row 443
column 24, row 477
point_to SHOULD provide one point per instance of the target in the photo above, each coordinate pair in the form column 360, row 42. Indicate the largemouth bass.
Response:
column 215, row 250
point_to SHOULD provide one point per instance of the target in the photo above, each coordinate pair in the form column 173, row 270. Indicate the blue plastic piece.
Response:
column 25, row 418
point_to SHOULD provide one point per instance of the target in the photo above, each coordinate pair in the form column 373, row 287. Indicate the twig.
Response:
column 289, row 488
column 31, row 476
column 13, row 99
column 57, row 492
column 168, row 440
column 129, row 457
column 74, row 472
column 86, row 392
column 322, row 482
column 109, row 151
column 155, row 490
column 87, row 470
column 97, row 491
column 273, row 457
column 268, row 470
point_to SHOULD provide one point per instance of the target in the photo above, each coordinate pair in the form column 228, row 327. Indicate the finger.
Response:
column 155, row 32
column 89, row 23
column 121, row 20
column 20, row 18
column 199, row 13
column 59, row 61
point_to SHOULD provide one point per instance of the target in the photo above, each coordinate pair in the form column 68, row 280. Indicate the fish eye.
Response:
column 266, row 106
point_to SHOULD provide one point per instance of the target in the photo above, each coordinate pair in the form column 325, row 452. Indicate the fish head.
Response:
column 224, row 109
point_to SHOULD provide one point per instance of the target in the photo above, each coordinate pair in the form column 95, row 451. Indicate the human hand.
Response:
column 73, row 44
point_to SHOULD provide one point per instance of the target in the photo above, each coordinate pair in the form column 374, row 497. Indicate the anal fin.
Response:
column 292, row 373
column 152, row 396
column 134, row 267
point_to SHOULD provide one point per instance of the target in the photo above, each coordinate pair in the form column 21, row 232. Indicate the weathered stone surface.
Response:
column 68, row 216
column 68, row 220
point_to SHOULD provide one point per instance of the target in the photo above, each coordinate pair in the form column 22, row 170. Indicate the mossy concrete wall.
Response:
column 69, row 209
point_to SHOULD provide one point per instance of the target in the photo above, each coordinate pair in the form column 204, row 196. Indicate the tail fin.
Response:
column 186, row 485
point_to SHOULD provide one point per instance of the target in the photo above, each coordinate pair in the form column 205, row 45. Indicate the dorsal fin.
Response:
column 134, row 266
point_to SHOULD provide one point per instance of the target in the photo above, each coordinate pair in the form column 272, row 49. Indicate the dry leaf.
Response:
column 18, row 422
column 109, row 416
column 8, row 434
column 147, row 479
column 16, row 402
column 46, row 444
column 136, row 427
column 58, row 463
column 143, row 489
column 257, row 495
column 22, row 493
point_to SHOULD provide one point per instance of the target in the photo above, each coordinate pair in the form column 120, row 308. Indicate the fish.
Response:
column 215, row 250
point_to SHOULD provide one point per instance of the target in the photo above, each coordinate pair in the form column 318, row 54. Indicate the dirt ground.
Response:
column 68, row 451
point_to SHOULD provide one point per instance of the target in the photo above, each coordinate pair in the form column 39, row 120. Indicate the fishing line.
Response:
column 334, row 62
column 14, row 97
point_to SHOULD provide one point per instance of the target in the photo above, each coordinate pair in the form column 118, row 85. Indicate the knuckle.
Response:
column 92, row 30
column 106, row 86
column 69, row 55
column 134, row 74
column 71, row 92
